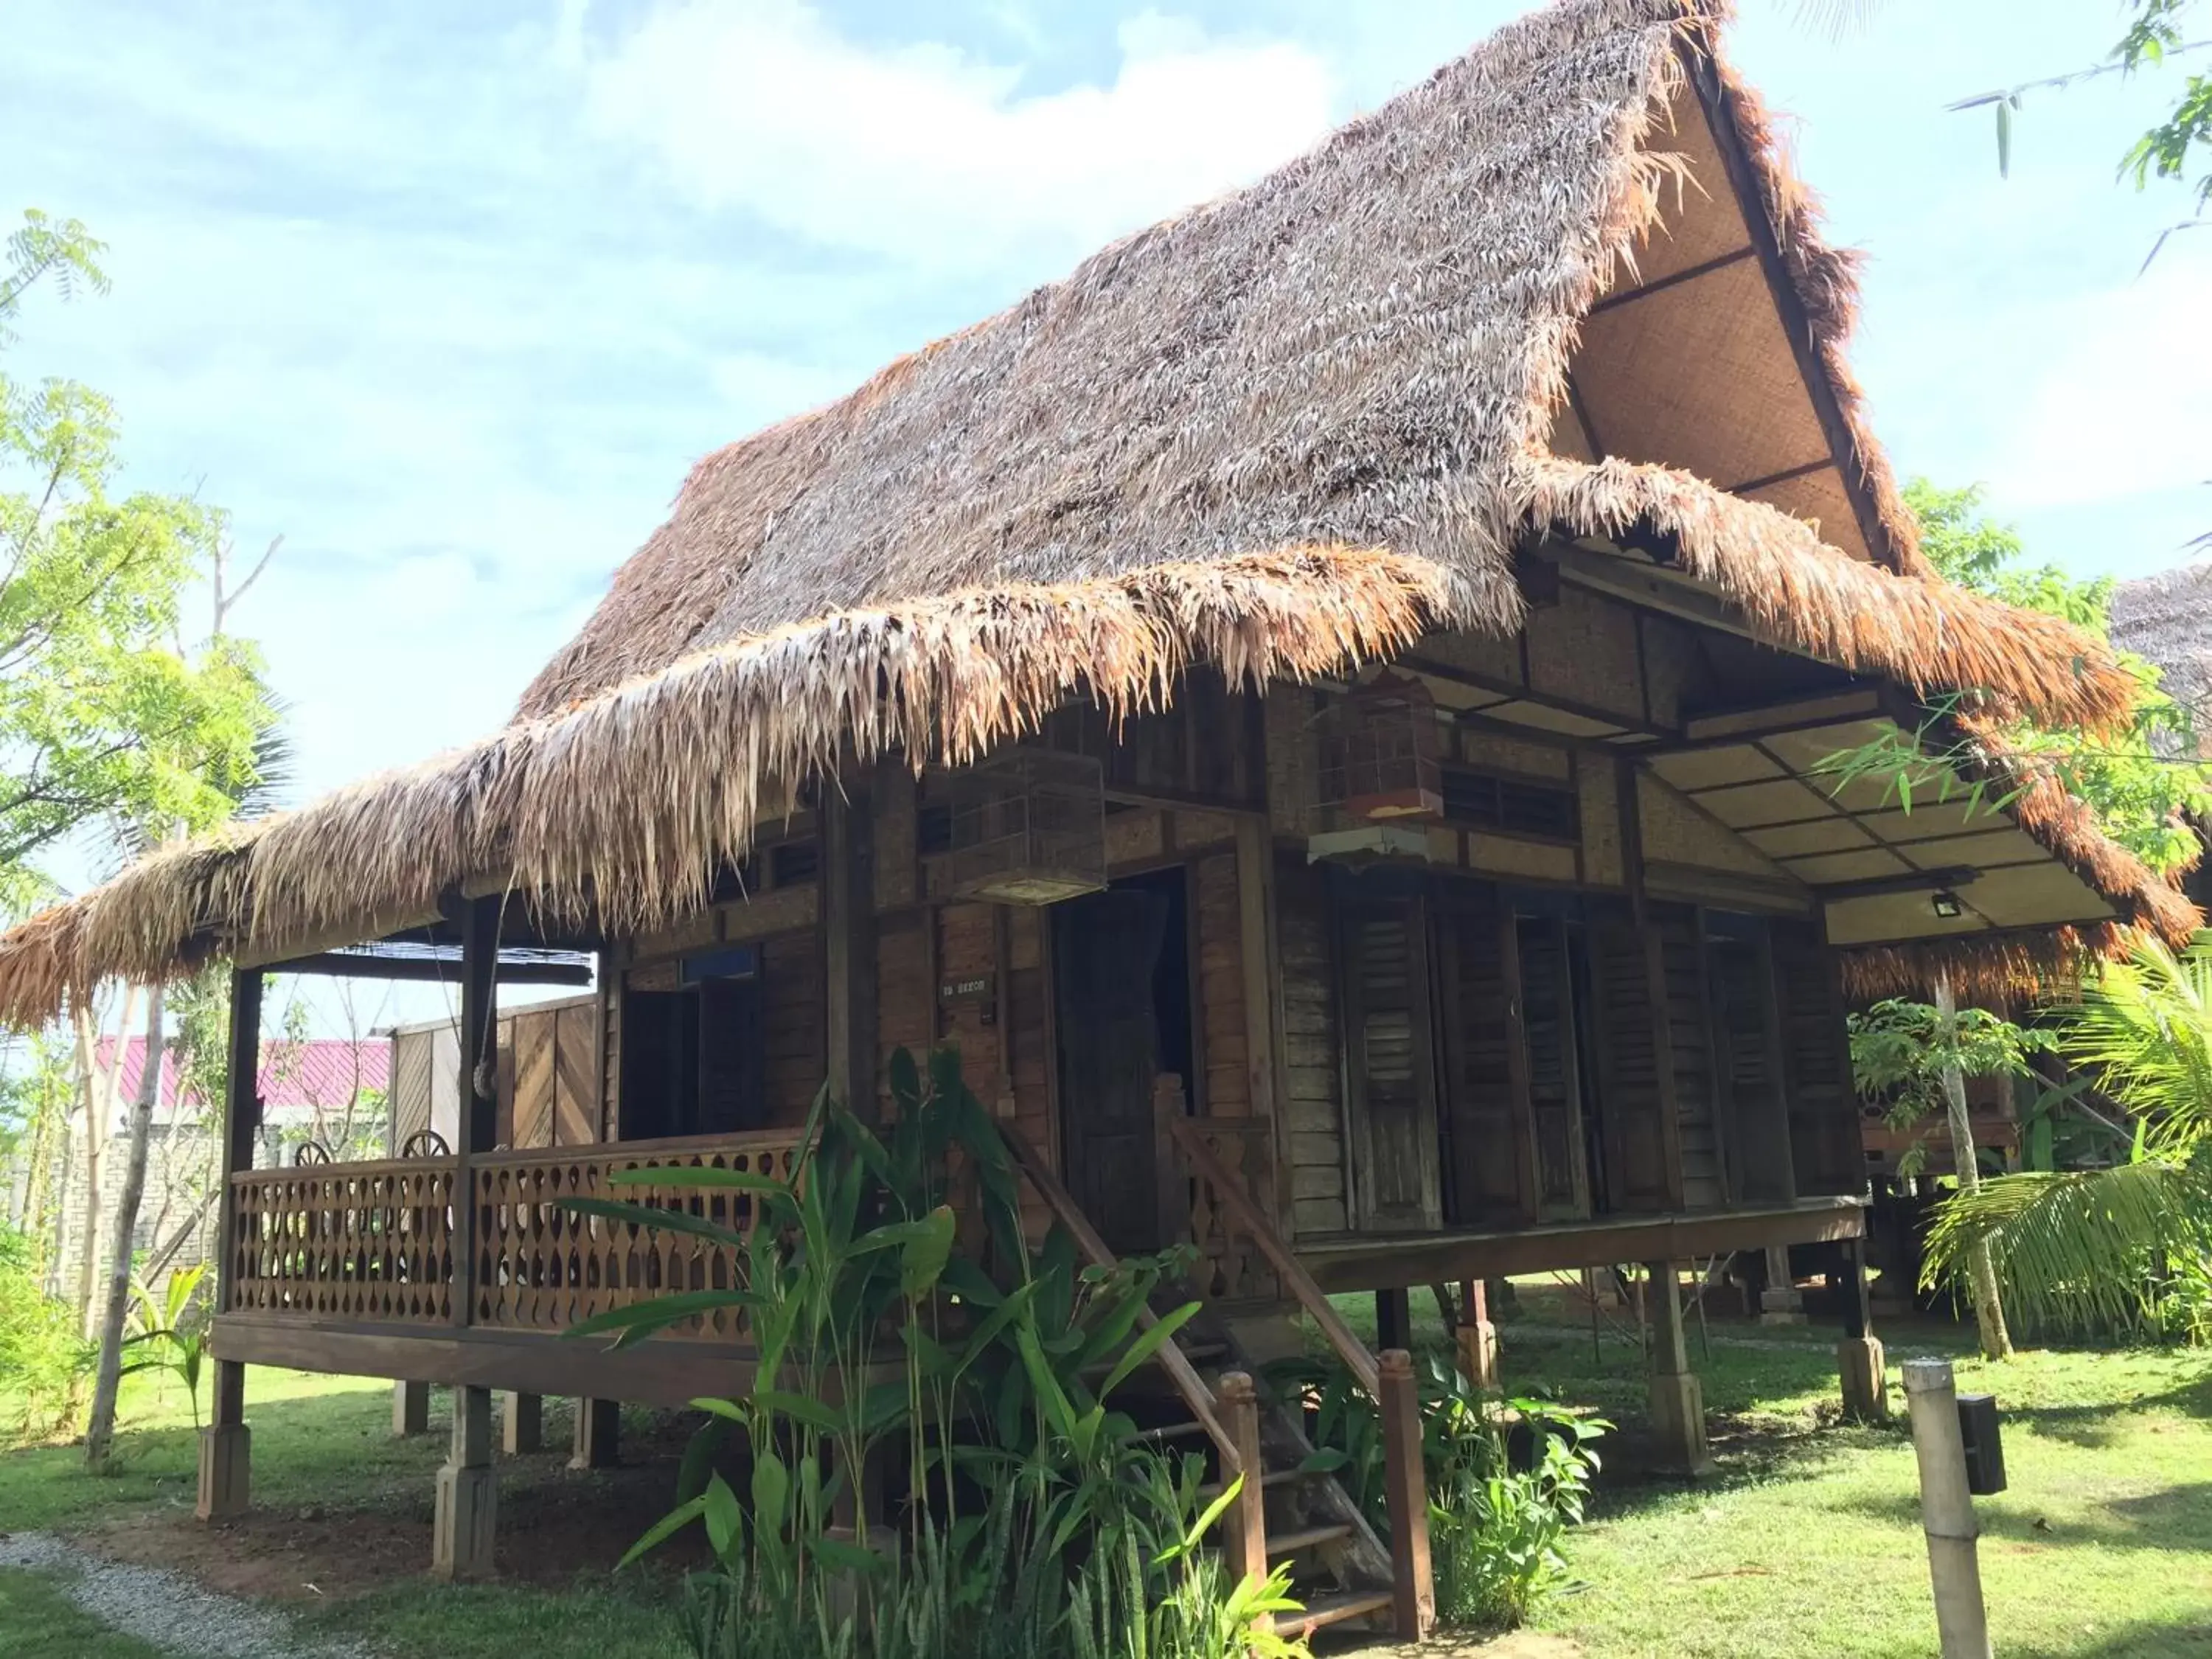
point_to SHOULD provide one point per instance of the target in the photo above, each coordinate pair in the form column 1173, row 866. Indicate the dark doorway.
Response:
column 693, row 1060
column 1122, row 1010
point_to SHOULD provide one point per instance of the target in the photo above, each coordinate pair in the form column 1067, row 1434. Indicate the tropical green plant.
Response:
column 171, row 1330
column 2117, row 1249
column 1498, row 1524
column 1032, row 1523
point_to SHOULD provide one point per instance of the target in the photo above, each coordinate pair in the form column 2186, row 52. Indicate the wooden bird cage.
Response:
column 1028, row 827
column 1381, row 752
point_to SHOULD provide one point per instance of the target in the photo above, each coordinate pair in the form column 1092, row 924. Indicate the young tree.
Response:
column 107, row 714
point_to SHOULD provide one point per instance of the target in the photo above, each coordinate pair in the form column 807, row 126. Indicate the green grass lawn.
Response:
column 1808, row 1544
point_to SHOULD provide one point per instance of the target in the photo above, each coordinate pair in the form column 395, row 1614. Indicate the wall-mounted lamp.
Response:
column 1947, row 904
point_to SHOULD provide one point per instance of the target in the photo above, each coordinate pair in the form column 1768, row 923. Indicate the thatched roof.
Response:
column 2168, row 619
column 1568, row 286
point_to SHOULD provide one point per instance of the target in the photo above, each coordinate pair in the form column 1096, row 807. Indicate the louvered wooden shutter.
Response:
column 1751, row 1071
column 732, row 1071
column 1824, row 1115
column 1488, row 1163
column 1389, row 1062
column 1635, row 1064
column 1555, row 1093
column 1689, row 1041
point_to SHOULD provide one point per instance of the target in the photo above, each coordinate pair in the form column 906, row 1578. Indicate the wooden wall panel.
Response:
column 792, row 1020
column 1824, row 1114
column 1634, row 1065
column 1313, row 1075
column 905, row 986
column 532, row 1033
column 1029, row 1033
column 1487, row 1124
column 1227, row 1090
column 576, row 1074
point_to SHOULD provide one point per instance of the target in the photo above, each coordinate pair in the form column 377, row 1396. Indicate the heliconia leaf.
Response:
column 665, row 1221
column 725, row 1521
column 668, row 1526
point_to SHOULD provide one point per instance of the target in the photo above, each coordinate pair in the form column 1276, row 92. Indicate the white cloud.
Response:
column 930, row 156
column 2112, row 403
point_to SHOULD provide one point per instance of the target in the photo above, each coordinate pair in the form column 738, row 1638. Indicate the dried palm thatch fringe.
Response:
column 611, row 813
column 1922, row 632
column 1989, row 972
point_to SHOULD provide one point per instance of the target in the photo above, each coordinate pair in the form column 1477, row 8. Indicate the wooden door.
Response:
column 1636, row 1103
column 1687, row 1017
column 1552, row 1057
column 1390, row 1062
column 1105, row 950
column 1489, row 1152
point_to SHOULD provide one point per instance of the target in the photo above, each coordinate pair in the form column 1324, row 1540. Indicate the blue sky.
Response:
column 450, row 296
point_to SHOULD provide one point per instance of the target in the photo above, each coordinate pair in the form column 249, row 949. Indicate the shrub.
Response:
column 1496, row 1530
column 42, row 1358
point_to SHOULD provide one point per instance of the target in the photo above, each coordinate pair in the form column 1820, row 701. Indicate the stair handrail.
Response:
column 1295, row 1278
column 1172, row 1359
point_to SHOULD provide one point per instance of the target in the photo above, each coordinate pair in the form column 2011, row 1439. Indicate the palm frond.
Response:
column 2077, row 1250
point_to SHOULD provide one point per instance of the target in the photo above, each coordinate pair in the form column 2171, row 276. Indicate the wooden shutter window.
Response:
column 1388, row 1063
column 1745, row 1028
column 1689, row 1033
column 1635, row 1085
column 1554, row 1083
column 1489, row 1151
column 1824, row 1118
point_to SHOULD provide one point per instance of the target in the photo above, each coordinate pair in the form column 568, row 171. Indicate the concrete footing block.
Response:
column 226, row 1471
column 1678, row 1421
column 464, row 1529
column 1865, row 1383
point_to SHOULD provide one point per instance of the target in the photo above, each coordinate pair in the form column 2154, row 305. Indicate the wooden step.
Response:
column 1167, row 1433
column 1290, row 1543
column 1326, row 1610
column 1268, row 1478
column 1199, row 1354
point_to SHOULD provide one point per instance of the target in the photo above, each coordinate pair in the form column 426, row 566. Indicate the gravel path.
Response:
column 165, row 1608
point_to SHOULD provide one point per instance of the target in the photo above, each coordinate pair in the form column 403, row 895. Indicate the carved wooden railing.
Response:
column 345, row 1241
column 1232, row 1267
column 1197, row 1398
column 373, row 1243
column 543, row 1266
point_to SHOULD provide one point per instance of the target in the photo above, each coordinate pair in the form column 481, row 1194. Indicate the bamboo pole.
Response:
column 1946, row 1509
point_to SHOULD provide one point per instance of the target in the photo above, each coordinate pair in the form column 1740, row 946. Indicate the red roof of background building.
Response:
column 322, row 1072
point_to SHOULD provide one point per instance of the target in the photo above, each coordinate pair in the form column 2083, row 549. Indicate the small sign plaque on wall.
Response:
column 970, row 990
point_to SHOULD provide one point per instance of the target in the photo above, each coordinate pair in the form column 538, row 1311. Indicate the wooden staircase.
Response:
column 1287, row 1512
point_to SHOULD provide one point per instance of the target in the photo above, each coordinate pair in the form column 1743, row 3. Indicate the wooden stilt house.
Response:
column 1328, row 706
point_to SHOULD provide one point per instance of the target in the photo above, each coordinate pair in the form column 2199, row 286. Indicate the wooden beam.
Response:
column 479, row 1084
column 848, row 945
column 1661, row 284
column 348, row 964
column 1441, row 1258
column 1263, row 990
column 660, row 1372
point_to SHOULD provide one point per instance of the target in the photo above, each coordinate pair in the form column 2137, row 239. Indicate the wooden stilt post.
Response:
column 1858, row 1356
column 1413, row 1597
column 849, row 928
column 1394, row 1318
column 1476, row 1337
column 1678, row 1399
column 410, row 1409
column 1779, row 1304
column 225, row 1444
column 1247, row 1531
column 468, row 1492
column 521, row 1423
column 599, row 1435
column 462, row 1530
